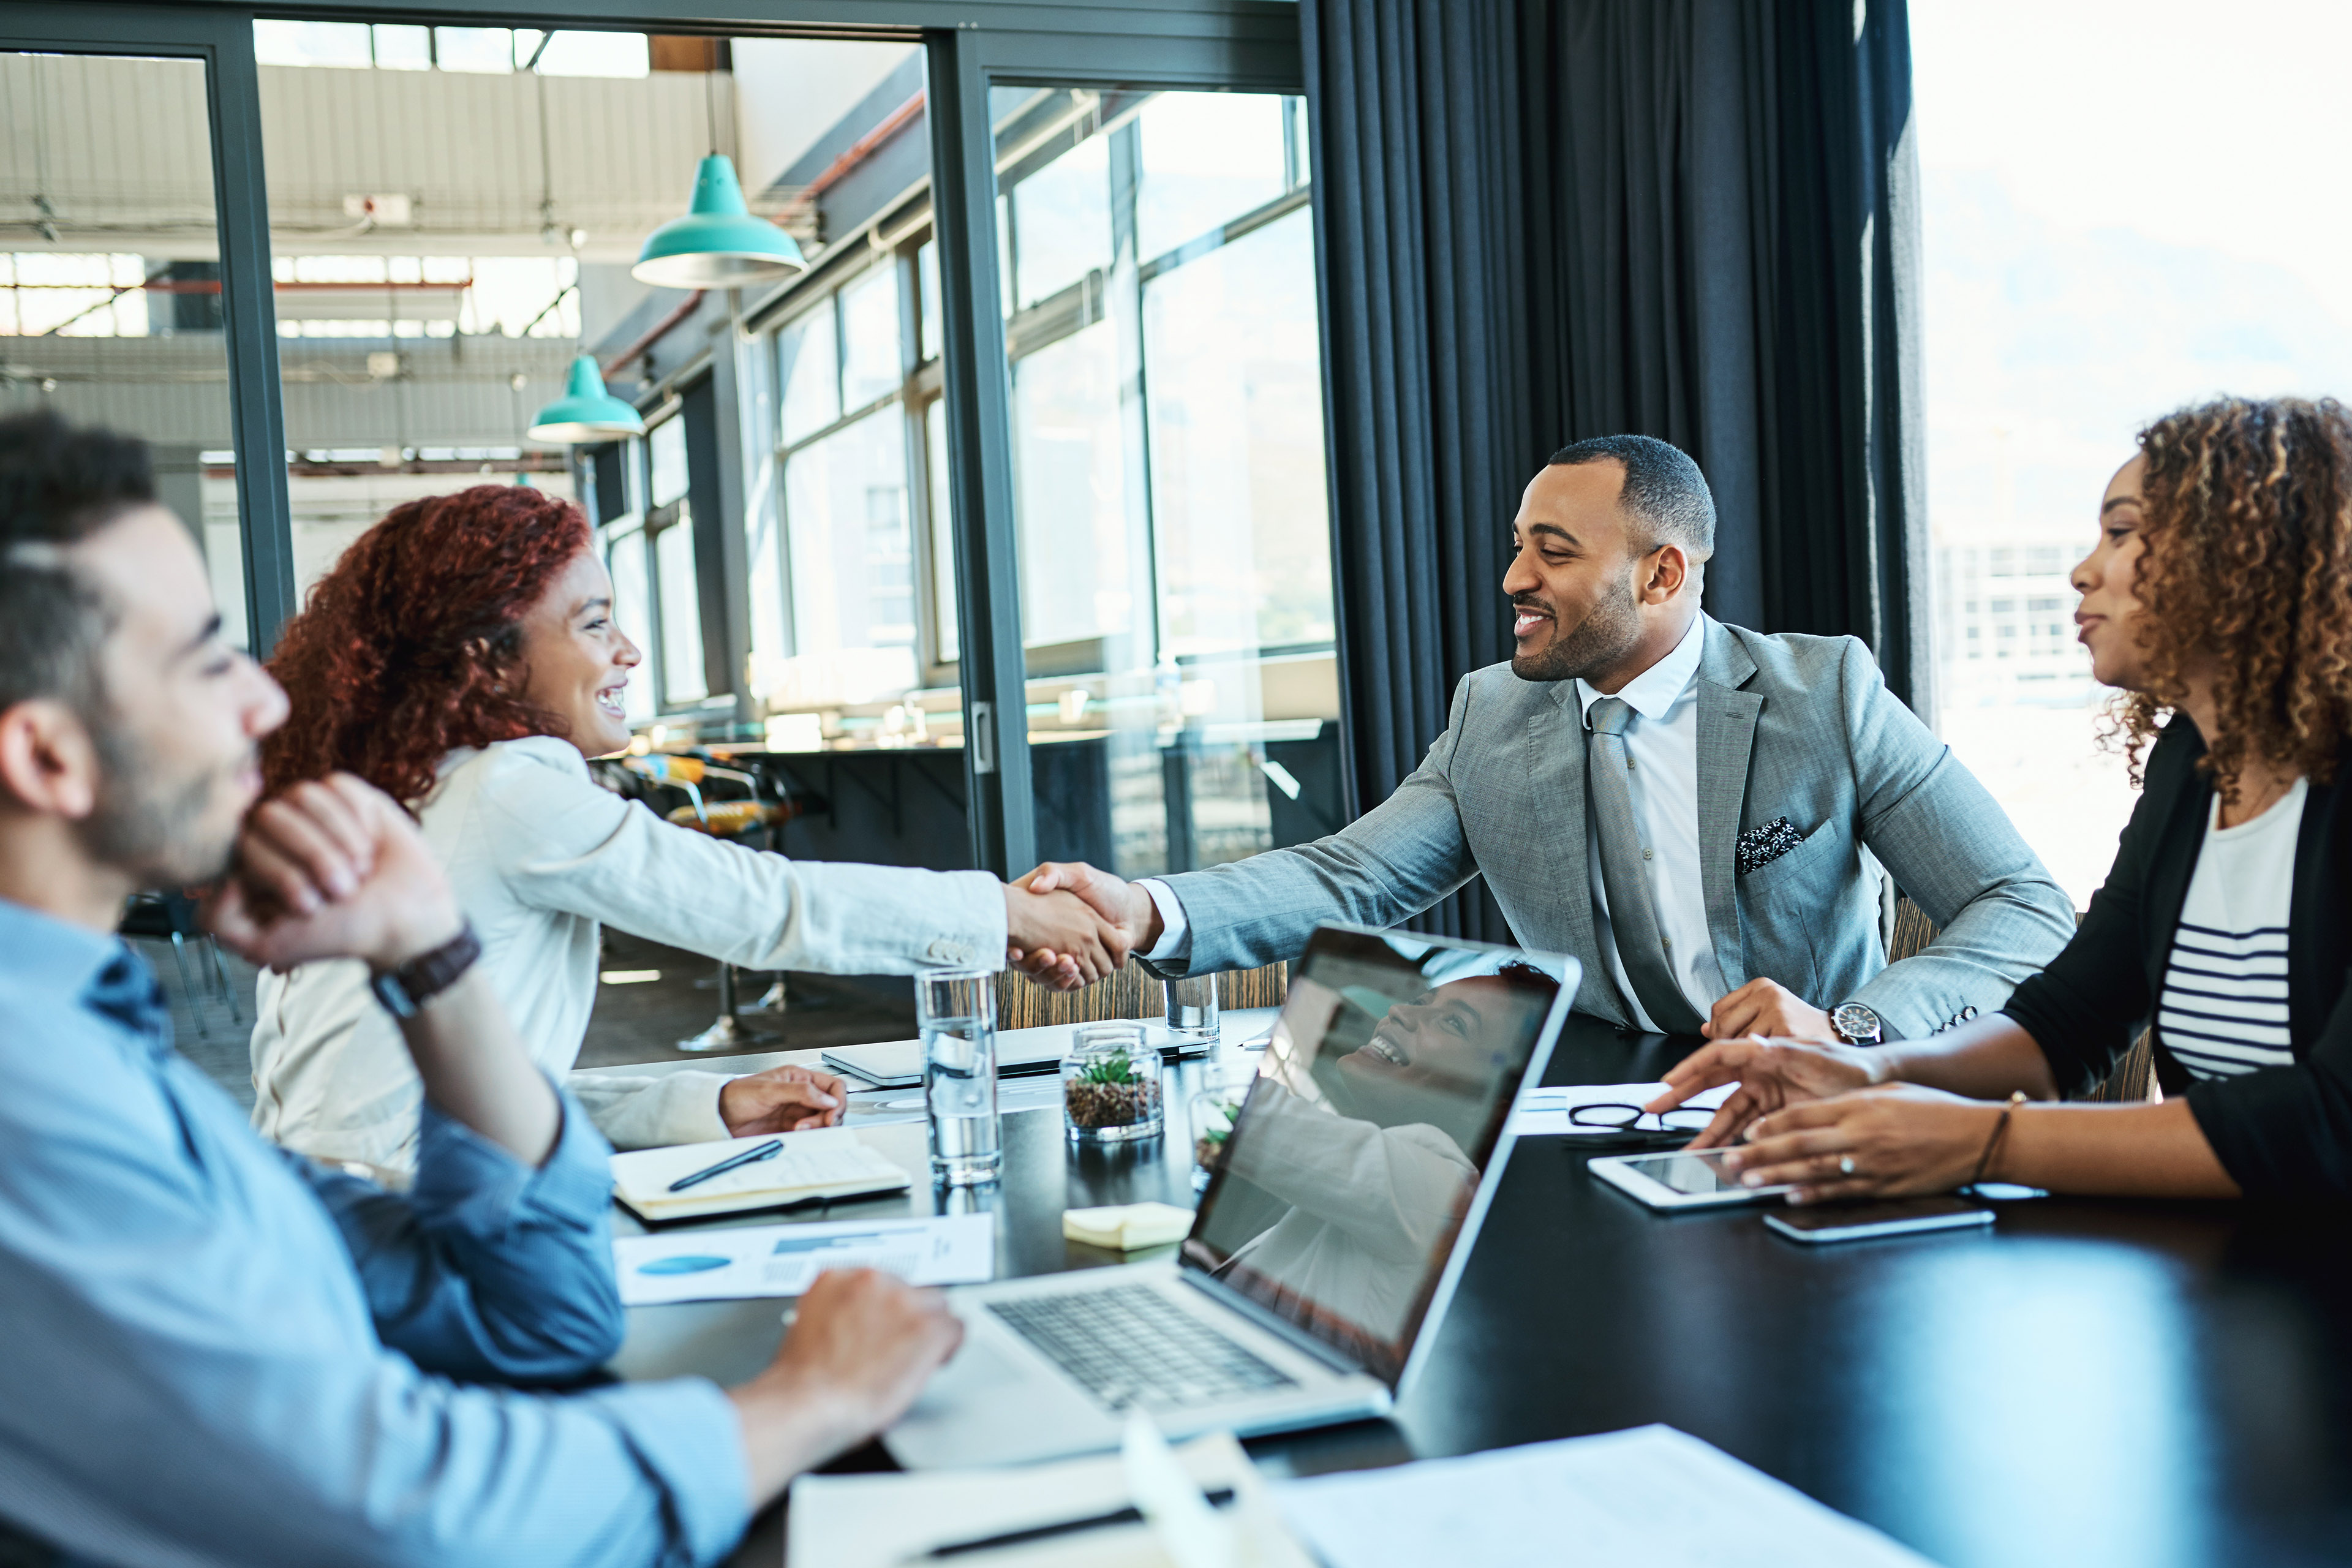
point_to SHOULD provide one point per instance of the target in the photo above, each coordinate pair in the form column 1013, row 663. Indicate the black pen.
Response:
column 768, row 1151
column 1217, row 1498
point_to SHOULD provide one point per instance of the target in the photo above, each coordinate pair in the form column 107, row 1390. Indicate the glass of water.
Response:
column 1192, row 1015
column 955, row 1013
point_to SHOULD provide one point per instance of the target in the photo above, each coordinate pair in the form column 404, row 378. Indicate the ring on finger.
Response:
column 1845, row 1164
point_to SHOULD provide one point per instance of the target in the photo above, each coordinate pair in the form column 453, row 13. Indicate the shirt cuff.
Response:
column 685, row 1432
column 1175, row 935
column 467, row 1182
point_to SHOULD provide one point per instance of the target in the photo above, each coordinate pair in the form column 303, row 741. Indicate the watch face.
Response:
column 1856, row 1022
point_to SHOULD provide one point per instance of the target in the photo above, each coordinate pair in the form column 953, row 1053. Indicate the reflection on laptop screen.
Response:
column 1338, row 1197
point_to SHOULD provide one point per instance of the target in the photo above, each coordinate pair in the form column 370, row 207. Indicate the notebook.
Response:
column 829, row 1163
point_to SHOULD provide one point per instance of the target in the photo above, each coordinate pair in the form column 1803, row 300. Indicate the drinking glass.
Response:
column 1224, row 1086
column 1193, row 1014
column 955, row 1014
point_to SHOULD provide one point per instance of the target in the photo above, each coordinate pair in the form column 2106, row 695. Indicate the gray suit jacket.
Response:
column 1800, row 727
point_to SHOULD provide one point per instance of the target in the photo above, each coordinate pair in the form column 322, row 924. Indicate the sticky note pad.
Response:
column 1125, row 1227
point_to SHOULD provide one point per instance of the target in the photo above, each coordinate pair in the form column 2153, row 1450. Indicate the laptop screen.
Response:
column 1337, row 1197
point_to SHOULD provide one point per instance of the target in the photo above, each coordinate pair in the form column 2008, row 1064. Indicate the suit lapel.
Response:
column 1556, row 764
column 1727, row 733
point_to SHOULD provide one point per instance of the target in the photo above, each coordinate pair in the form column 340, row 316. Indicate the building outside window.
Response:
column 2080, row 281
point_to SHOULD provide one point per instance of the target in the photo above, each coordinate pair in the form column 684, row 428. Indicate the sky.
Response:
column 2194, row 123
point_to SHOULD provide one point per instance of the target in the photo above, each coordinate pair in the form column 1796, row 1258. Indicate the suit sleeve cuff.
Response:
column 466, row 1181
column 1175, row 942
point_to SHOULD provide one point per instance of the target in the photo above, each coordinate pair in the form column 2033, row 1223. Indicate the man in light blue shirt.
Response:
column 217, row 1353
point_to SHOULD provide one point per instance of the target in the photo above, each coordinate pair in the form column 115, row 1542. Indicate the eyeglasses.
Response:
column 1631, row 1119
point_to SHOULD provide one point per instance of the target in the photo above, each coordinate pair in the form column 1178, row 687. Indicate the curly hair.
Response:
column 2247, row 508
column 413, row 644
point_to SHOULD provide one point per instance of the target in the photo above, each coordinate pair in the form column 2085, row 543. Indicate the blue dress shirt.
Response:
column 217, row 1353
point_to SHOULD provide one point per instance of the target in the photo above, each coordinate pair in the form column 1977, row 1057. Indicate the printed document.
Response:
column 1648, row 1498
column 720, row 1265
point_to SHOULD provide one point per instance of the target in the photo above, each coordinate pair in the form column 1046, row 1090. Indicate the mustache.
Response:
column 1535, row 606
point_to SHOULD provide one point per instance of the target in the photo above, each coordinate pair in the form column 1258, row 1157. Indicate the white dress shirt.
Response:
column 1662, row 741
column 541, row 858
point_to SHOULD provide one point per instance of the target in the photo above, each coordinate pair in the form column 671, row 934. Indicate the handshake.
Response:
column 1067, row 924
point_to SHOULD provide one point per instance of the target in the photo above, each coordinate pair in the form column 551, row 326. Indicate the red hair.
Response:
column 413, row 644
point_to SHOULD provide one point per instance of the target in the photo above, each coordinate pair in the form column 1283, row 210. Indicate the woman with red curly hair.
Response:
column 462, row 657
column 2219, row 598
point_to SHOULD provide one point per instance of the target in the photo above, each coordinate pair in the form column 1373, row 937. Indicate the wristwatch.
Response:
column 1858, row 1025
column 405, row 990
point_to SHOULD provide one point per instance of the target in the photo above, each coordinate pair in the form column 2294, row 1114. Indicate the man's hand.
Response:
column 1059, row 939
column 1769, row 1007
column 333, row 869
column 1770, row 1074
column 1125, row 905
column 781, row 1099
column 860, row 1348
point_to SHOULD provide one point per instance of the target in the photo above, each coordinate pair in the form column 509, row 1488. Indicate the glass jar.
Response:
column 1110, row 1085
column 1212, row 1112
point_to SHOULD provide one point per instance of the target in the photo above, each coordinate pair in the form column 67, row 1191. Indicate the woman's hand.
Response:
column 1770, row 1074
column 1897, row 1140
column 781, row 1099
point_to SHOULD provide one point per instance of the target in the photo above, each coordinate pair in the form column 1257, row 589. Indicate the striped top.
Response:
column 2224, row 1009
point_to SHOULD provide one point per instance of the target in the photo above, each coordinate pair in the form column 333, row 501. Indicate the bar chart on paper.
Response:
column 785, row 1259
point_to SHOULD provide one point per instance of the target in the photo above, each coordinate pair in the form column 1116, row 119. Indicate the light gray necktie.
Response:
column 1641, row 948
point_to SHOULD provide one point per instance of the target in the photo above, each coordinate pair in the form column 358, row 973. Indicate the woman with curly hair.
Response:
column 462, row 657
column 2220, row 597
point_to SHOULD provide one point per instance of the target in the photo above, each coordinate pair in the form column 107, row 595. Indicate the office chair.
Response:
column 2134, row 1078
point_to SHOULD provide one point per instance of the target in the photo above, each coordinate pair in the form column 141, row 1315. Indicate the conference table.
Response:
column 2083, row 1382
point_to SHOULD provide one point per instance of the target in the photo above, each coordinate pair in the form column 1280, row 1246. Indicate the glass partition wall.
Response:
column 1157, row 262
column 111, row 308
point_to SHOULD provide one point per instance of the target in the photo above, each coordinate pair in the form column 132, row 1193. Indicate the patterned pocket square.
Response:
column 1764, row 843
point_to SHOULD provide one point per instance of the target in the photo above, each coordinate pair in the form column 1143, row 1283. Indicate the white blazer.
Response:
column 541, row 857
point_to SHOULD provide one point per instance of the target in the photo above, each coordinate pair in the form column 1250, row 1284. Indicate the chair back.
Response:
column 1023, row 1003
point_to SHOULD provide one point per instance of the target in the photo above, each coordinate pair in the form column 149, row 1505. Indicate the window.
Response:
column 111, row 308
column 2071, row 294
column 1174, row 530
column 858, row 419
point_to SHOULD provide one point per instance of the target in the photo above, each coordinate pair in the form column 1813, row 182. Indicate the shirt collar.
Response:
column 1653, row 693
column 50, row 957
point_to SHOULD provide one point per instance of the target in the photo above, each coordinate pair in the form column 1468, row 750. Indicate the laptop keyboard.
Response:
column 1130, row 1346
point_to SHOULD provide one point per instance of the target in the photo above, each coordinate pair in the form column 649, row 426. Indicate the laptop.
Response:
column 898, row 1064
column 1341, row 1212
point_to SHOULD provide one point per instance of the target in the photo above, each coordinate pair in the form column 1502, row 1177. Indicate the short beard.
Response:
column 1602, row 640
column 145, row 824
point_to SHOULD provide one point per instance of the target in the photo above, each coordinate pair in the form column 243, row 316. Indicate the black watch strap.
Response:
column 406, row 989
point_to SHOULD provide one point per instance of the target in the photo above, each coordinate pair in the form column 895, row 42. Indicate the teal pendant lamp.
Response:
column 586, row 412
column 718, row 243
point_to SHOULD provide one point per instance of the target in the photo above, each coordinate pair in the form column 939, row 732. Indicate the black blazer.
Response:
column 2278, row 1131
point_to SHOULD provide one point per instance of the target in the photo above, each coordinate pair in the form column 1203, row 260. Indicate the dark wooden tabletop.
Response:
column 2087, row 1382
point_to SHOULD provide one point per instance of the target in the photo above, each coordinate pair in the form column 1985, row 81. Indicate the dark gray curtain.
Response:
column 1538, row 222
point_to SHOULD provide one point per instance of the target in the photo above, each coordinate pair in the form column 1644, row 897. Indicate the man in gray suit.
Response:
column 1698, row 812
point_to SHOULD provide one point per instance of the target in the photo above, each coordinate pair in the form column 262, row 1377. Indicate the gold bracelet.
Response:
column 1984, row 1161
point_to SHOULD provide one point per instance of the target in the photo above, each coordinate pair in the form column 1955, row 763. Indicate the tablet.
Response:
column 1684, row 1179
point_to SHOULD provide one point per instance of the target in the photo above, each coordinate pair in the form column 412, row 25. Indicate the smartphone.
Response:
column 1858, row 1222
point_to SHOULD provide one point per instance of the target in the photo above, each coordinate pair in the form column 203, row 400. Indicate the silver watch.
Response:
column 1858, row 1025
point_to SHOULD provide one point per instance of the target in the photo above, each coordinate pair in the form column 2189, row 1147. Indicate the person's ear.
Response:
column 1669, row 569
column 48, row 761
